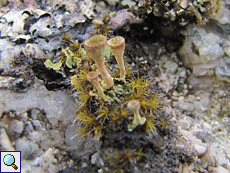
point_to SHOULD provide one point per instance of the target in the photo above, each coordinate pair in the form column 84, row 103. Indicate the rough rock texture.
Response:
column 201, row 51
column 37, row 108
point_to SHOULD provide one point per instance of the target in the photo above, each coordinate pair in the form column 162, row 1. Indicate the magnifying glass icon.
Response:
column 9, row 160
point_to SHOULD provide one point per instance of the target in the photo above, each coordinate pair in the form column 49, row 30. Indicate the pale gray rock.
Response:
column 207, row 127
column 214, row 157
column 8, row 55
column 28, row 128
column 5, row 142
column 226, row 46
column 58, row 105
column 190, row 103
column 29, row 150
column 170, row 66
column 223, row 70
column 57, row 137
column 223, row 15
column 13, row 23
column 35, row 114
column 13, row 127
column 77, row 146
column 201, row 50
column 24, row 116
column 17, row 126
column 189, row 135
column 199, row 149
column 37, row 125
column 41, row 138
column 44, row 163
column 46, row 160
column 94, row 158
column 221, row 158
column 171, row 73
column 218, row 169
column 204, row 82
column 184, row 124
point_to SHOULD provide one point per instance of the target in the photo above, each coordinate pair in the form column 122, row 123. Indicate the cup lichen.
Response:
column 134, row 106
column 93, row 78
column 96, row 46
column 133, row 94
column 117, row 47
column 125, row 118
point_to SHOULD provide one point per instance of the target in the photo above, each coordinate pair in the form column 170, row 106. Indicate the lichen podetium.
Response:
column 122, row 113
column 112, row 94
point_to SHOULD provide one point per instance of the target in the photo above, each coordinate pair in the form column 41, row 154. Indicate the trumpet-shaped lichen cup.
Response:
column 93, row 78
column 96, row 46
column 117, row 46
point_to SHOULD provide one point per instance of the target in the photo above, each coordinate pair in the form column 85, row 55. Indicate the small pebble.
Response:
column 84, row 165
column 17, row 126
column 180, row 146
column 24, row 116
column 34, row 114
column 181, row 98
column 207, row 126
column 184, row 124
column 37, row 125
column 215, row 123
column 94, row 158
column 100, row 171
column 200, row 149
column 198, row 98
column 175, row 93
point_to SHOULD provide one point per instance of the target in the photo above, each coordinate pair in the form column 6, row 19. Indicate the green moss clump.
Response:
column 107, row 119
column 103, row 27
column 126, row 145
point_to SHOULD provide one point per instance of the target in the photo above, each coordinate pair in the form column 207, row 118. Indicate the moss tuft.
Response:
column 129, row 138
column 103, row 27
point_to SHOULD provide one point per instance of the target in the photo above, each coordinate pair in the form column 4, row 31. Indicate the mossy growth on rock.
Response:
column 180, row 12
column 70, row 57
column 103, row 27
column 127, row 118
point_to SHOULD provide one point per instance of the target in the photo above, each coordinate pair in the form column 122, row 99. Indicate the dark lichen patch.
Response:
column 164, row 20
column 152, row 31
column 56, row 72
column 179, row 12
column 20, row 76
column 52, row 79
column 153, row 153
